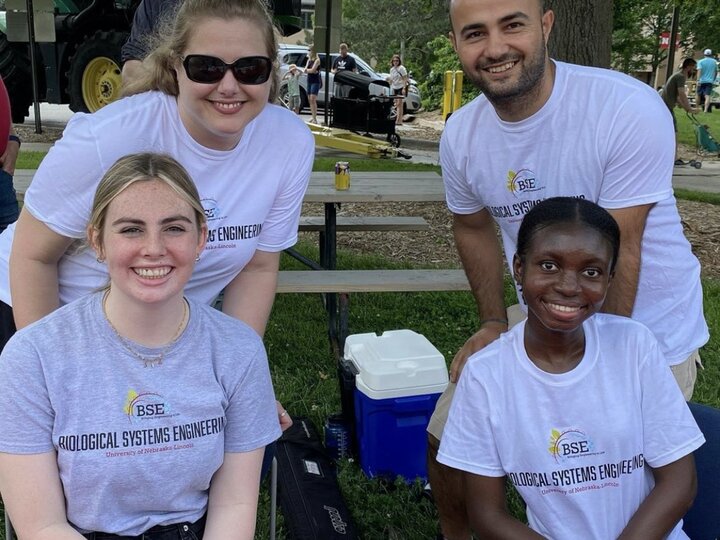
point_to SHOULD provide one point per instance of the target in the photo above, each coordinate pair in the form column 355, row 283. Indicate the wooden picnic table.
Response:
column 365, row 187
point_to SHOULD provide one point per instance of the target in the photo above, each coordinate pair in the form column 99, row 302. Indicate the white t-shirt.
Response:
column 252, row 194
column 574, row 444
column 602, row 136
column 397, row 77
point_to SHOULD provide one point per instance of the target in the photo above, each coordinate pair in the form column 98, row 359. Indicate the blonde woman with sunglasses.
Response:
column 206, row 99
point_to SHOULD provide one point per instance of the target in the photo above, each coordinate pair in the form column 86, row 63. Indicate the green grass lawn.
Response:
column 28, row 159
column 686, row 129
column 31, row 160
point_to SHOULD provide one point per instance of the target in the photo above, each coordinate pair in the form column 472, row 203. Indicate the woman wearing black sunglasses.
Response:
column 206, row 100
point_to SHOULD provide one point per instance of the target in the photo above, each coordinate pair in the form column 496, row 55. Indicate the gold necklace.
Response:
column 148, row 361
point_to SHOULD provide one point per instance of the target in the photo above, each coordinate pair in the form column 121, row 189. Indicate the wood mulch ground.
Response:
column 701, row 221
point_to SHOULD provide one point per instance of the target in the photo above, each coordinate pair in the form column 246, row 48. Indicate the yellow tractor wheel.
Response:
column 101, row 83
column 94, row 76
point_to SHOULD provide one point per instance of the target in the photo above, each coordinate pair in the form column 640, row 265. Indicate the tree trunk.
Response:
column 583, row 31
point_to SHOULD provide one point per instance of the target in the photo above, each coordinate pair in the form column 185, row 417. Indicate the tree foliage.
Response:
column 639, row 24
column 700, row 21
column 442, row 59
column 637, row 31
column 380, row 28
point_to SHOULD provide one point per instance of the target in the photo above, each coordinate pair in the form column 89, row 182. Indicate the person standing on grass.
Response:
column 674, row 94
column 707, row 71
column 538, row 141
column 588, row 391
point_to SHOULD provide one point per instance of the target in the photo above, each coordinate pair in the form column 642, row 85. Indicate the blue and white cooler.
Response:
column 400, row 376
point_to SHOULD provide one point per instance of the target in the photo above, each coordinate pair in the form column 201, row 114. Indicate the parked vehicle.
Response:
column 298, row 55
column 82, row 67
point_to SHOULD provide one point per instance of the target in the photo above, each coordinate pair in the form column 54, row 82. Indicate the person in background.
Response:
column 314, row 82
column 148, row 17
column 344, row 61
column 293, row 88
column 539, row 141
column 9, row 149
column 674, row 95
column 707, row 71
column 587, row 390
column 398, row 80
column 75, row 462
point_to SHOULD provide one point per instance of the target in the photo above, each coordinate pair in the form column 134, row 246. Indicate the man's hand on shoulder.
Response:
column 489, row 332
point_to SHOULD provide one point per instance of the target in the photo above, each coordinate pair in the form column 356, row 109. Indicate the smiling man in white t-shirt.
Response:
column 544, row 128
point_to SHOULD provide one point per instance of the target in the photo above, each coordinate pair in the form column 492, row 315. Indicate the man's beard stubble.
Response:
column 529, row 82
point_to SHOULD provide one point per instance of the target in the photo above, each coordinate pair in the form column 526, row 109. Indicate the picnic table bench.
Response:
column 344, row 282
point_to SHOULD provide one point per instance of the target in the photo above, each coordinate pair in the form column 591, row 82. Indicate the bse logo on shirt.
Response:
column 569, row 444
column 146, row 406
column 212, row 210
column 522, row 181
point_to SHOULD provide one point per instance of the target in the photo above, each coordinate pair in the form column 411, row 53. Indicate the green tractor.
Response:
column 82, row 67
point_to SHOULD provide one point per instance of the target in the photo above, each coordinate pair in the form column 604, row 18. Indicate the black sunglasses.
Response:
column 204, row 69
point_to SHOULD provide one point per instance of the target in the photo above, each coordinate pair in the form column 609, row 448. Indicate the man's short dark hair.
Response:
column 688, row 62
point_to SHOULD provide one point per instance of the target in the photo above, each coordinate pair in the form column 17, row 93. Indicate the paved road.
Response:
column 706, row 179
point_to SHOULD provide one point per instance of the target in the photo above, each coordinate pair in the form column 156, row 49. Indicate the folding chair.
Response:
column 702, row 522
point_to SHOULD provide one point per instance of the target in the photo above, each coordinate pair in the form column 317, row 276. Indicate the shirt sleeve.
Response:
column 468, row 441
column 27, row 418
column 63, row 187
column 640, row 153
column 280, row 229
column 251, row 415
column 459, row 197
column 669, row 429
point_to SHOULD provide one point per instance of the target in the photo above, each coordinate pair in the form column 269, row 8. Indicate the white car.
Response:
column 298, row 55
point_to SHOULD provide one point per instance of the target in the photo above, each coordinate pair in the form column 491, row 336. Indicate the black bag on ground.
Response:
column 308, row 490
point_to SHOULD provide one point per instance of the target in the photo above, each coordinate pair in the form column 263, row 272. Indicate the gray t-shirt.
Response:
column 670, row 90
column 136, row 447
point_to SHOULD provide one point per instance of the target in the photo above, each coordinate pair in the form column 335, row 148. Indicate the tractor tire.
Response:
column 95, row 74
column 16, row 73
